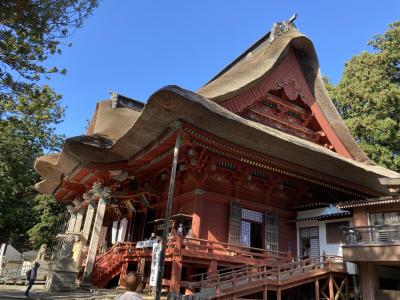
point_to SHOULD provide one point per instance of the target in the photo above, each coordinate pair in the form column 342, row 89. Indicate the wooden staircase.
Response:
column 248, row 280
column 109, row 264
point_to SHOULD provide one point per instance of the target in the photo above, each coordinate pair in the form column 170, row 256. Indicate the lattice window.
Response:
column 309, row 241
column 245, row 228
column 271, row 231
column 252, row 215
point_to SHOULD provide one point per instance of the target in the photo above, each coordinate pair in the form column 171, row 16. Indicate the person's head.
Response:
column 36, row 265
column 132, row 281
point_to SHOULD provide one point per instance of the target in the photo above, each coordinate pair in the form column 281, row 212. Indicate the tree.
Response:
column 50, row 214
column 368, row 98
column 30, row 32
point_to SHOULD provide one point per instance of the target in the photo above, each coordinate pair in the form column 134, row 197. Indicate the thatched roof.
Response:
column 117, row 134
column 261, row 59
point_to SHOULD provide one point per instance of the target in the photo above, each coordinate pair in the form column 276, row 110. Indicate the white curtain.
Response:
column 114, row 232
column 122, row 230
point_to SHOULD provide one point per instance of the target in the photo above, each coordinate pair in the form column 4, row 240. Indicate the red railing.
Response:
column 122, row 252
column 213, row 247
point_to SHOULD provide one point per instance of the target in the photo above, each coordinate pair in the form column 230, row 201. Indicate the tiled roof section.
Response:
column 344, row 214
column 309, row 205
column 369, row 202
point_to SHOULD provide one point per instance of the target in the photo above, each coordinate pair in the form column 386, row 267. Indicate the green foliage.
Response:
column 48, row 212
column 30, row 32
column 368, row 98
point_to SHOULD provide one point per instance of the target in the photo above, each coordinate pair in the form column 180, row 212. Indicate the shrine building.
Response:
column 263, row 159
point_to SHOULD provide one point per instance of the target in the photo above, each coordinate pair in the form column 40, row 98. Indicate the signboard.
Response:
column 155, row 263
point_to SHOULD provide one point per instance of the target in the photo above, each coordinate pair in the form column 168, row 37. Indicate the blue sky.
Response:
column 136, row 47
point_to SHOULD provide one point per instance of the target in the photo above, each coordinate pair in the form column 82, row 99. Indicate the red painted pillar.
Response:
column 190, row 273
column 176, row 276
column 122, row 276
column 197, row 212
column 213, row 266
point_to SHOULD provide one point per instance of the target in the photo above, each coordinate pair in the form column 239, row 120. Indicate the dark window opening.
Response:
column 335, row 233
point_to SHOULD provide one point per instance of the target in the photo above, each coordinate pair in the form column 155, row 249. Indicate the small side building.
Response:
column 373, row 243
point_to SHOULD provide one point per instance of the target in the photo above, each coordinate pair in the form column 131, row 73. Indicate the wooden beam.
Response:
column 265, row 293
column 316, row 289
column 339, row 288
column 331, row 292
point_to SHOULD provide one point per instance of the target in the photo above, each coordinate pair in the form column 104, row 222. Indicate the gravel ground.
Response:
column 38, row 292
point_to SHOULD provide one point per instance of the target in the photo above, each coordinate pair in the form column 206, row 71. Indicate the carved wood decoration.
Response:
column 283, row 100
column 283, row 108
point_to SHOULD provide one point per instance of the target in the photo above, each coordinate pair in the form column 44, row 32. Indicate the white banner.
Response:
column 122, row 230
column 155, row 266
column 114, row 232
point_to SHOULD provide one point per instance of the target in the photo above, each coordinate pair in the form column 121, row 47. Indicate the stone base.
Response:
column 61, row 281
column 85, row 284
column 63, row 277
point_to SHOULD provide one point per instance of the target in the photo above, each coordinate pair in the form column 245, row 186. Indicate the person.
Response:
column 132, row 282
column 180, row 230
column 31, row 277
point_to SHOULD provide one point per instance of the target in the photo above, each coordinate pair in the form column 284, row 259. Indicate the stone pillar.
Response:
column 78, row 221
column 88, row 221
column 71, row 223
column 103, row 194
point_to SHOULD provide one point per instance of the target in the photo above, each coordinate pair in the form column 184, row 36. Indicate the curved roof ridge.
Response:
column 244, row 74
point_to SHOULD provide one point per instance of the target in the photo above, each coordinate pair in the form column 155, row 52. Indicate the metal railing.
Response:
column 377, row 234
